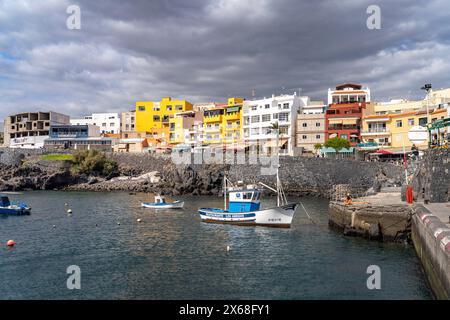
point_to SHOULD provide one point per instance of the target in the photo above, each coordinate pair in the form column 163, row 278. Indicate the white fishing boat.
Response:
column 160, row 203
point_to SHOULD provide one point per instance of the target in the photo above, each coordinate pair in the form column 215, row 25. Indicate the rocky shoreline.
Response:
column 158, row 174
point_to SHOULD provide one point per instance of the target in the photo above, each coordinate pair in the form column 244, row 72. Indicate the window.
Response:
column 267, row 130
column 284, row 129
column 179, row 107
column 423, row 122
column 254, row 108
column 304, row 137
column 246, row 121
column 317, row 136
column 141, row 108
column 247, row 195
column 344, row 136
column 156, row 109
column 104, row 124
column 317, row 124
column 255, row 119
column 169, row 108
column 283, row 117
column 267, row 106
column 399, row 123
column 411, row 122
column 304, row 124
column 265, row 117
column 156, row 118
column 254, row 131
column 285, row 105
column 275, row 116
column 111, row 124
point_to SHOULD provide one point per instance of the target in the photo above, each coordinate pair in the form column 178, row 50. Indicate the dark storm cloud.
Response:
column 201, row 50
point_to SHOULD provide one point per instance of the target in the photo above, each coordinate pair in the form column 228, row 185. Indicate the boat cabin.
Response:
column 160, row 199
column 4, row 201
column 244, row 200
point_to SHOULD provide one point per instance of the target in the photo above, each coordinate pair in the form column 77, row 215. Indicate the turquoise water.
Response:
column 172, row 255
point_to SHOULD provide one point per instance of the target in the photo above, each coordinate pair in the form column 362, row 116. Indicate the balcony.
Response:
column 375, row 132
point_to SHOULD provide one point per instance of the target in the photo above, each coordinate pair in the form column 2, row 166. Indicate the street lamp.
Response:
column 427, row 87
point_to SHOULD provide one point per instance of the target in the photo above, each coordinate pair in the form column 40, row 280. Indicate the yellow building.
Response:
column 436, row 97
column 156, row 115
column 391, row 130
column 180, row 127
column 223, row 125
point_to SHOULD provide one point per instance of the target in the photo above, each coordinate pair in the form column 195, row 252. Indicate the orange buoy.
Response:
column 10, row 243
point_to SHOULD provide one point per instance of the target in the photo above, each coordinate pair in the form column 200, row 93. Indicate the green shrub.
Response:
column 93, row 162
column 337, row 143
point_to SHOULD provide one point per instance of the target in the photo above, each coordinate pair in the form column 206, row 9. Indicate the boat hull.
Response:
column 15, row 211
column 280, row 217
column 173, row 205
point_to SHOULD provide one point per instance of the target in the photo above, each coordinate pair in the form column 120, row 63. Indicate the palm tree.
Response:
column 275, row 126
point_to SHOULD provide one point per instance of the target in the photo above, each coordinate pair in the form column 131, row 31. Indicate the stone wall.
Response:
column 431, row 240
column 300, row 175
column 431, row 181
column 14, row 157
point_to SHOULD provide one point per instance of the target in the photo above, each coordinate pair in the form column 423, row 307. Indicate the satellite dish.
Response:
column 418, row 134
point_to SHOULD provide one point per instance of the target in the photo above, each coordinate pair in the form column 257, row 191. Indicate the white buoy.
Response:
column 66, row 204
column 118, row 223
column 69, row 211
column 139, row 220
column 228, row 248
column 54, row 226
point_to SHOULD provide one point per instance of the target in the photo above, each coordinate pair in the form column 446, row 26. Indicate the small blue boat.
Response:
column 9, row 208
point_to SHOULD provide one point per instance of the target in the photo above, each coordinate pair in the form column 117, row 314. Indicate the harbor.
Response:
column 173, row 255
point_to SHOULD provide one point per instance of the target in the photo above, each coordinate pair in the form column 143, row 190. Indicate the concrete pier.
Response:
column 431, row 238
column 385, row 217
column 378, row 217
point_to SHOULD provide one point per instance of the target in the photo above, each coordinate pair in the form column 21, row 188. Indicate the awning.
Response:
column 349, row 121
column 233, row 109
column 332, row 121
column 273, row 143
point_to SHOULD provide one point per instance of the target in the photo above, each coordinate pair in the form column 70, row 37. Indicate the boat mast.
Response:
column 278, row 166
column 224, row 191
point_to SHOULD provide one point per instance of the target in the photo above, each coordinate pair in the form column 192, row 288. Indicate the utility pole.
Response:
column 428, row 87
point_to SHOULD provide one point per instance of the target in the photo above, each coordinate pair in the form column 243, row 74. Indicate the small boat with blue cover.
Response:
column 9, row 208
column 160, row 203
column 245, row 207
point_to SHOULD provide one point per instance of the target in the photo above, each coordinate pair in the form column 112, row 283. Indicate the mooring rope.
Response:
column 307, row 213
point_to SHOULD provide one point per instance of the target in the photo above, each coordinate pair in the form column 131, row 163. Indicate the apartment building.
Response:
column 128, row 121
column 180, row 127
column 261, row 115
column 31, row 129
column 346, row 104
column 109, row 123
column 391, row 130
column 154, row 117
column 223, row 125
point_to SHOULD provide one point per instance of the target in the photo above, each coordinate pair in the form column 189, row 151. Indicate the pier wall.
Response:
column 431, row 181
column 372, row 221
column 431, row 238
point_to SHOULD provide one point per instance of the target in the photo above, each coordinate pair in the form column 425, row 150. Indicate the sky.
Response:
column 209, row 50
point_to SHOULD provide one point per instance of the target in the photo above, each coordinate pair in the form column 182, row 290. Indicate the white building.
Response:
column 314, row 107
column 348, row 93
column 260, row 115
column 108, row 122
